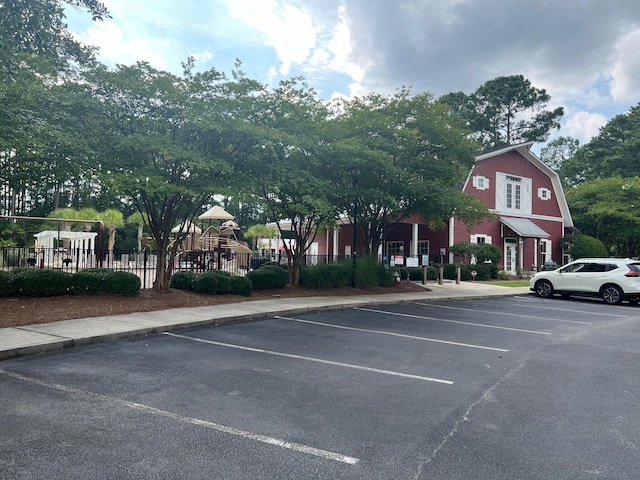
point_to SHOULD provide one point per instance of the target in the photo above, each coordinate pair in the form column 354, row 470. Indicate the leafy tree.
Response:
column 33, row 32
column 38, row 57
column 164, row 140
column 396, row 156
column 280, row 157
column 614, row 152
column 558, row 153
column 506, row 111
column 607, row 209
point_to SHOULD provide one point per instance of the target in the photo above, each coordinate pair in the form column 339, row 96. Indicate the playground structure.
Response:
column 215, row 248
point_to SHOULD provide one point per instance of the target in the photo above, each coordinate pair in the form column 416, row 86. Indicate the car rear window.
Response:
column 634, row 267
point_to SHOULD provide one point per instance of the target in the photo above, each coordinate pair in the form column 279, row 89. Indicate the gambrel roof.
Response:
column 524, row 149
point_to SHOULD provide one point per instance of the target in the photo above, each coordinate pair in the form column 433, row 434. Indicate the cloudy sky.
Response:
column 583, row 52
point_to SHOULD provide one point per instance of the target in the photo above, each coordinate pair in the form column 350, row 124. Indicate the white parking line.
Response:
column 540, row 307
column 194, row 421
column 451, row 321
column 312, row 359
column 392, row 334
column 475, row 310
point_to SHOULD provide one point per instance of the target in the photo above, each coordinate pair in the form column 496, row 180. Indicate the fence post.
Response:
column 440, row 273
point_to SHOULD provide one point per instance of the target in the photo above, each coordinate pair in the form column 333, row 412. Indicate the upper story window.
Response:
column 513, row 194
column 480, row 182
column 544, row 193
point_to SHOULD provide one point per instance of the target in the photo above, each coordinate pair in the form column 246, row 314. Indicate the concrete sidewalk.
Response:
column 45, row 337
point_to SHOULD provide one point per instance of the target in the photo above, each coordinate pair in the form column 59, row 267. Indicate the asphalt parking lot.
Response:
column 497, row 388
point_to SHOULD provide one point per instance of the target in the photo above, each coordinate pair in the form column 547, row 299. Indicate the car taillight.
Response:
column 632, row 274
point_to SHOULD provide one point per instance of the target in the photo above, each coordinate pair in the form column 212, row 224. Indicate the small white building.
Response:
column 48, row 244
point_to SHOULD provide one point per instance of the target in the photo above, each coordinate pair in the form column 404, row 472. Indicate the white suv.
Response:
column 612, row 279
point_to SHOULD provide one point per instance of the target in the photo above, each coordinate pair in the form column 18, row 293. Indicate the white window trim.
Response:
column 480, row 182
column 525, row 192
column 474, row 238
column 544, row 193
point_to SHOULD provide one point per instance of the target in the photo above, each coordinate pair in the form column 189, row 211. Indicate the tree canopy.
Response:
column 607, row 209
column 506, row 111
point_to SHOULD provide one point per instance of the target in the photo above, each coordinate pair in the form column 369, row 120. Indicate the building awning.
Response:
column 524, row 228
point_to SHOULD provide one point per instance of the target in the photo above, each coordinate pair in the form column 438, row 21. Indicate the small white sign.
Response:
column 412, row 262
column 398, row 260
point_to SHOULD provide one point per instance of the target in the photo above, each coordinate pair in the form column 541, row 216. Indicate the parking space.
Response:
column 428, row 390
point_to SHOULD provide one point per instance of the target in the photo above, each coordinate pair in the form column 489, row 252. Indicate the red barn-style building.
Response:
column 531, row 210
column 531, row 217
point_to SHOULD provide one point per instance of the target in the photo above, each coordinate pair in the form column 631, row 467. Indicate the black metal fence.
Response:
column 144, row 263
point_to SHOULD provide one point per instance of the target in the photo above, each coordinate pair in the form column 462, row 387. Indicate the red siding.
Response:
column 512, row 163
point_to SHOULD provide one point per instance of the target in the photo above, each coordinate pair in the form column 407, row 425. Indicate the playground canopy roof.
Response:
column 188, row 228
column 216, row 213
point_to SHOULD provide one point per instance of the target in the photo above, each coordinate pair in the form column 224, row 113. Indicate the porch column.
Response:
column 414, row 240
column 521, row 254
column 335, row 244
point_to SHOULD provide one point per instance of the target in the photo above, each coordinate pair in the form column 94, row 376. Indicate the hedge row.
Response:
column 212, row 283
column 340, row 274
column 32, row 282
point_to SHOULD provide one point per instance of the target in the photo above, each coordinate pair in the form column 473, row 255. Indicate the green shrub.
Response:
column 583, row 246
column 87, row 282
column 370, row 273
column 183, row 280
column 6, row 284
column 224, row 283
column 268, row 277
column 415, row 273
column 385, row 276
column 326, row 275
column 485, row 271
column 31, row 282
column 404, row 273
column 212, row 282
column 241, row 286
column 123, row 283
column 206, row 282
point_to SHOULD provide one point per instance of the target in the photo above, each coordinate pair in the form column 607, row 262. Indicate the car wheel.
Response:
column 612, row 294
column 544, row 289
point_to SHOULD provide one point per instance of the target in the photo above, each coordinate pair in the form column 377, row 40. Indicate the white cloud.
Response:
column 288, row 29
column 114, row 48
column 582, row 125
column 625, row 74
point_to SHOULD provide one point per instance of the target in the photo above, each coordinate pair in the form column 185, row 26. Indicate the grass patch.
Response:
column 512, row 283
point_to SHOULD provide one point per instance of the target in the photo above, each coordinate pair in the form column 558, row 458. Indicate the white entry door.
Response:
column 511, row 256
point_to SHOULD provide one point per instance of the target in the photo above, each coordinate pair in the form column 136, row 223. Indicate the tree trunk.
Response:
column 112, row 239
column 140, row 227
